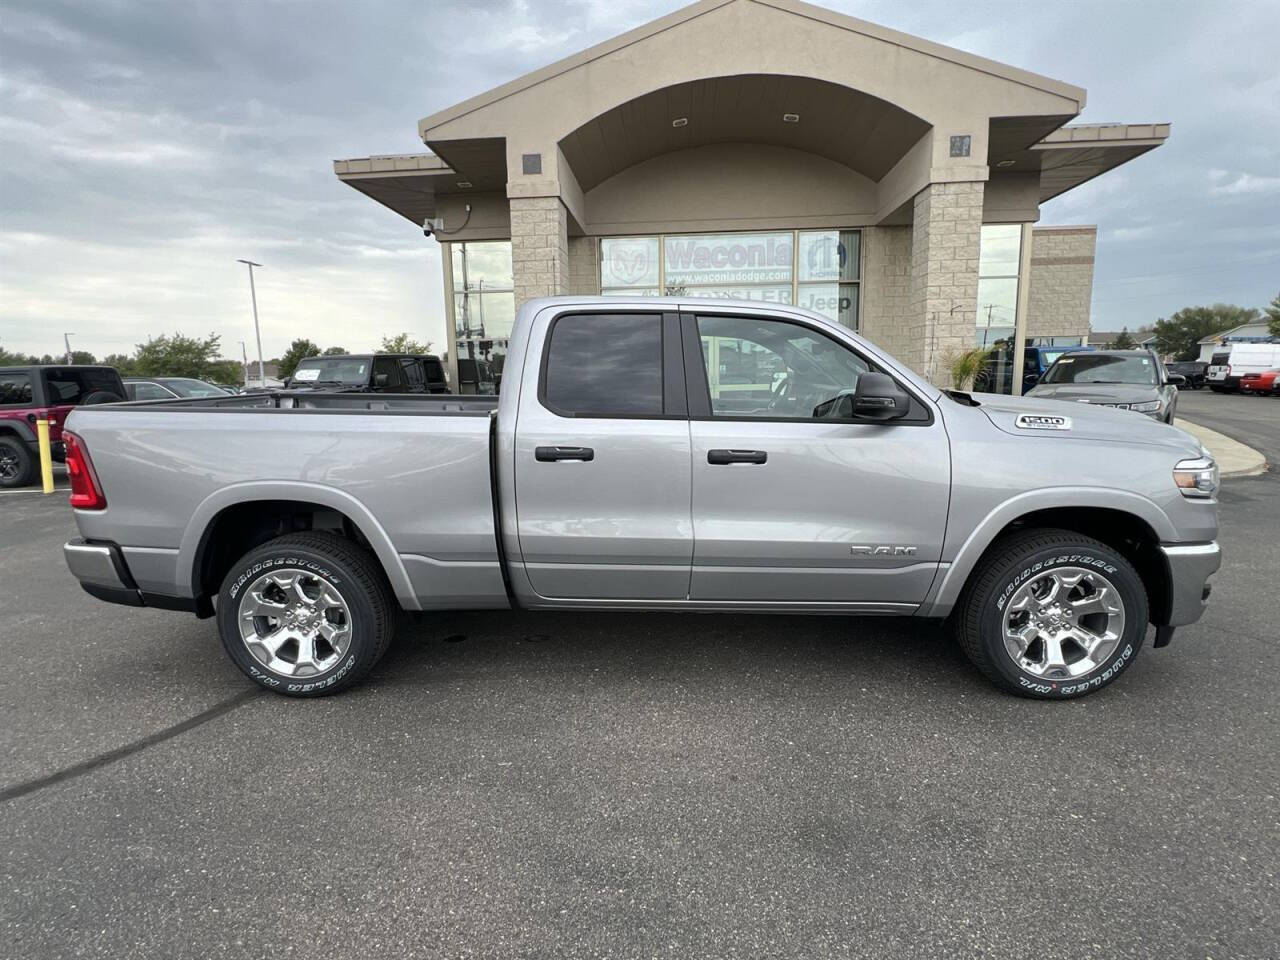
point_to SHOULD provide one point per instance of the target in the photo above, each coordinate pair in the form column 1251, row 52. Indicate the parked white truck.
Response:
column 653, row 454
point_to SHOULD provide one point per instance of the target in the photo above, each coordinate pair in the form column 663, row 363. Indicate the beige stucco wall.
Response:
column 730, row 186
column 1060, row 286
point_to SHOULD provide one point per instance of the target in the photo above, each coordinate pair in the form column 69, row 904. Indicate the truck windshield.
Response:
column 333, row 370
column 1102, row 368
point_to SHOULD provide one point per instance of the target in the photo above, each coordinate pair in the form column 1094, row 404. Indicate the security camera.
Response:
column 432, row 225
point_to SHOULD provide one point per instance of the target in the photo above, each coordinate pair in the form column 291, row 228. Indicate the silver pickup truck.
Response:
column 653, row 454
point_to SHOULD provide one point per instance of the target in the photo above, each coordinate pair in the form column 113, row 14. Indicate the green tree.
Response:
column 335, row 352
column 123, row 363
column 1273, row 316
column 403, row 343
column 83, row 356
column 178, row 355
column 224, row 371
column 9, row 358
column 298, row 351
column 1179, row 336
column 1124, row 341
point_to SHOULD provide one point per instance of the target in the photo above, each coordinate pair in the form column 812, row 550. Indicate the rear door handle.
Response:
column 737, row 456
column 551, row 454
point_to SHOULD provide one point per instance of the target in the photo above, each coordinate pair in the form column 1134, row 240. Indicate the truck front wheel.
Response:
column 1052, row 614
column 306, row 614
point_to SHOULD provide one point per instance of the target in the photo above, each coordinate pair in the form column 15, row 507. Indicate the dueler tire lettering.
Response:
column 1006, row 566
column 352, row 570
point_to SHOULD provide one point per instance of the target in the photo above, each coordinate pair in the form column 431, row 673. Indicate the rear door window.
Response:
column 412, row 370
column 69, row 387
column 604, row 365
column 15, row 390
column 389, row 367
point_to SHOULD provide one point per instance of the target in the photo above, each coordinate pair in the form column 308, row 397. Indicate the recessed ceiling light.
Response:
column 680, row 122
column 1006, row 163
column 465, row 184
column 791, row 118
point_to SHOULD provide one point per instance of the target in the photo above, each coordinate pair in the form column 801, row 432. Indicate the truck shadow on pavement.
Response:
column 692, row 649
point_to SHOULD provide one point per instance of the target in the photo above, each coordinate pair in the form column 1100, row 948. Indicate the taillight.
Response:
column 86, row 494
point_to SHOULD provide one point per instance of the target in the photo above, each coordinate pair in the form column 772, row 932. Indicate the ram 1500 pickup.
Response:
column 653, row 454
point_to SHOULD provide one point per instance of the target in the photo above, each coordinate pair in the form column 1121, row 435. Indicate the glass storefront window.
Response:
column 484, row 310
column 817, row 269
column 999, row 256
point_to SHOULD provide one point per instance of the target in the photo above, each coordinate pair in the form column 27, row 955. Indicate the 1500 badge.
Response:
column 1034, row 421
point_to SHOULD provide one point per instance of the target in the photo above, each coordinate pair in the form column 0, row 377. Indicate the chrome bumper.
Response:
column 96, row 564
column 1190, row 568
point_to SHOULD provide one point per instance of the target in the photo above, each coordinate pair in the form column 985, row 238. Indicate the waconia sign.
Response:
column 729, row 258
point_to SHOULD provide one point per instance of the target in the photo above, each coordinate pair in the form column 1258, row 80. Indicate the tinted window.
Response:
column 70, row 386
column 148, row 391
column 758, row 367
column 605, row 364
column 344, row 370
column 435, row 370
column 187, row 387
column 1102, row 368
column 386, row 366
column 15, row 388
column 412, row 371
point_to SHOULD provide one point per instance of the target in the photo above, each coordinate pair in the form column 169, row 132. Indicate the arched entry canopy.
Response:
column 864, row 133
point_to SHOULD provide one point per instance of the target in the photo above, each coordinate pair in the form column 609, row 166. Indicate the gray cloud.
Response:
column 149, row 144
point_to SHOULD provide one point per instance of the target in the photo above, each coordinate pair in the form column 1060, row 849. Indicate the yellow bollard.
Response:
column 46, row 454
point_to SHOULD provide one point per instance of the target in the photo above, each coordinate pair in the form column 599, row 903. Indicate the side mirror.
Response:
column 1177, row 380
column 878, row 397
column 381, row 379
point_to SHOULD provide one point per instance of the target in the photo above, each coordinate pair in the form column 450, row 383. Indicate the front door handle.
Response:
column 737, row 456
column 552, row 454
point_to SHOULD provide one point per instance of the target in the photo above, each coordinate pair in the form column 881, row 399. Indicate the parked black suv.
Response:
column 1193, row 370
column 371, row 373
column 31, row 393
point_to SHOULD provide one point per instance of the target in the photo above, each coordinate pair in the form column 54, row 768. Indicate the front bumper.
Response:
column 102, row 572
column 1190, row 567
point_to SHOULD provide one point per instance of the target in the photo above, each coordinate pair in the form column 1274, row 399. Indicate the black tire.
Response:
column 1024, row 557
column 17, row 465
column 357, row 577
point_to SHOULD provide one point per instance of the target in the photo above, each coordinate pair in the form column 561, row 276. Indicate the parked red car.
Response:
column 1268, row 381
column 29, row 393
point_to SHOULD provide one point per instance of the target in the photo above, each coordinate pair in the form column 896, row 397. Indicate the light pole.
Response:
column 244, row 364
column 253, row 295
column 66, row 342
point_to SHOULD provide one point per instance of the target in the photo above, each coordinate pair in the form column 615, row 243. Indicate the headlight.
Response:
column 1150, row 406
column 1196, row 479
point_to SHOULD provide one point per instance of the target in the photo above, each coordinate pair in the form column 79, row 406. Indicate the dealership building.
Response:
column 767, row 150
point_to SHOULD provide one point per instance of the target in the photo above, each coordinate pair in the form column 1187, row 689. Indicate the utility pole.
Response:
column 253, row 295
column 66, row 342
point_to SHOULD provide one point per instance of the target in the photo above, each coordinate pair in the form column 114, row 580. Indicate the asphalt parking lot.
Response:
column 545, row 785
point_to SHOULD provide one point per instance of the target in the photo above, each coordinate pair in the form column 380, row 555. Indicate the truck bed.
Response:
column 412, row 472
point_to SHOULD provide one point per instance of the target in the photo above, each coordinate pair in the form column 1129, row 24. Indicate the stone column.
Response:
column 539, row 247
column 943, row 288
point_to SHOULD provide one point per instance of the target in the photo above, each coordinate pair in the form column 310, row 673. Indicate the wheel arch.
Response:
column 254, row 505
column 9, row 427
column 1127, row 522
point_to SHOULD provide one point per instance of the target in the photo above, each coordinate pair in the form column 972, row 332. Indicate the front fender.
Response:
column 193, row 536
column 948, row 585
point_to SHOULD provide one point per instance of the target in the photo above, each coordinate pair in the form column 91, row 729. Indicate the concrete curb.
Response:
column 1235, row 459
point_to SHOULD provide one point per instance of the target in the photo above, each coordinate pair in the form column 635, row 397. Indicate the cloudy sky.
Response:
column 147, row 145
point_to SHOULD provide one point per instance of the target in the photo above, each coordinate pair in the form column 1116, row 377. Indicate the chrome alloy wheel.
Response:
column 294, row 622
column 1063, row 624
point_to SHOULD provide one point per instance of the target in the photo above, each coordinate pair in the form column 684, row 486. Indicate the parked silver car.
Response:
column 1126, row 379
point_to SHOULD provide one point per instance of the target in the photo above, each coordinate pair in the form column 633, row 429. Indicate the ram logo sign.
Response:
column 1033, row 421
column 884, row 550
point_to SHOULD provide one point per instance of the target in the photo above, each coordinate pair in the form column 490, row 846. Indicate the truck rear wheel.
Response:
column 306, row 614
column 1052, row 614
column 15, row 463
